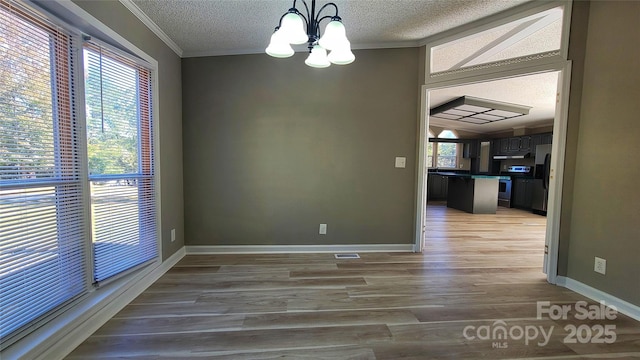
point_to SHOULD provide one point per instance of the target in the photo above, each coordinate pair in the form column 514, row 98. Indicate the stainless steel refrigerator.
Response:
column 541, row 179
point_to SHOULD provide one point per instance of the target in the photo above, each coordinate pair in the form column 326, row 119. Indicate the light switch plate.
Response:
column 600, row 265
column 401, row 161
column 323, row 229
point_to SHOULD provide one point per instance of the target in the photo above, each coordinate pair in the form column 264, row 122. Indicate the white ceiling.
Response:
column 231, row 27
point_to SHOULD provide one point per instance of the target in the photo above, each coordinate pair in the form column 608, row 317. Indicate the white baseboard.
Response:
column 623, row 307
column 284, row 249
column 60, row 336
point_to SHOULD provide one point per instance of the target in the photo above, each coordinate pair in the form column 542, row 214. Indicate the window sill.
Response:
column 60, row 336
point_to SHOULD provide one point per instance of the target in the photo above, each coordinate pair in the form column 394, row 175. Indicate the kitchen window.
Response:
column 430, row 146
column 443, row 155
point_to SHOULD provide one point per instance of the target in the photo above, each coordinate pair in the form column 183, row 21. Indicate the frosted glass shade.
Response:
column 318, row 57
column 334, row 35
column 342, row 54
column 279, row 46
column 293, row 29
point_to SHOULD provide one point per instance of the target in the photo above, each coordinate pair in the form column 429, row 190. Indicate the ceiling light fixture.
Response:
column 296, row 28
column 478, row 111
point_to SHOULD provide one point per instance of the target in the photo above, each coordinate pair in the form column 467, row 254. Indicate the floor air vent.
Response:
column 347, row 256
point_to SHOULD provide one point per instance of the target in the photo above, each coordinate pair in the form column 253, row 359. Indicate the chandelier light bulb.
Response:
column 318, row 57
column 342, row 55
column 334, row 35
column 296, row 28
column 293, row 28
column 279, row 46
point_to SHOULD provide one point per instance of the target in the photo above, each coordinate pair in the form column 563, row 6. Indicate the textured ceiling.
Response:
column 225, row 27
column 228, row 27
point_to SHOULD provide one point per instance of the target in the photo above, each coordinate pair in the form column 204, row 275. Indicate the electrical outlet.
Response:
column 600, row 265
column 173, row 235
column 323, row 229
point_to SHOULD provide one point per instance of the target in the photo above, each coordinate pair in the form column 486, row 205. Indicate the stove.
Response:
column 519, row 169
column 504, row 185
column 504, row 192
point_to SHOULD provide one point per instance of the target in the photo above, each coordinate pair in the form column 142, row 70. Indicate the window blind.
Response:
column 119, row 146
column 42, row 251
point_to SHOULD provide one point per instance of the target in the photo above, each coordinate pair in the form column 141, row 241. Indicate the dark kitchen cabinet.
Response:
column 470, row 150
column 525, row 143
column 535, row 141
column 504, row 146
column 522, row 193
column 514, row 144
column 495, row 147
column 437, row 187
column 540, row 139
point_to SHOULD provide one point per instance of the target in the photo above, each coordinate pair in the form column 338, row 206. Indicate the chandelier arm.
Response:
column 328, row 4
column 280, row 21
column 309, row 15
column 309, row 19
column 325, row 17
column 295, row 11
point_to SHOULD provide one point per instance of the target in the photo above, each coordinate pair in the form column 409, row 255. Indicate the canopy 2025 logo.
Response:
column 500, row 333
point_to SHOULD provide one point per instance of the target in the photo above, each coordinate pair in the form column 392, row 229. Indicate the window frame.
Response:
column 28, row 340
column 513, row 64
column 146, row 149
column 433, row 164
column 66, row 172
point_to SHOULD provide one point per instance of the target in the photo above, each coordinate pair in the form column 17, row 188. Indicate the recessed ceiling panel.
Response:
column 488, row 117
column 448, row 116
column 538, row 91
column 473, row 108
column 502, row 113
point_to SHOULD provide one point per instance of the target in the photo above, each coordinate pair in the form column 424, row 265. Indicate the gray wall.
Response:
column 120, row 19
column 273, row 148
column 577, row 48
column 605, row 199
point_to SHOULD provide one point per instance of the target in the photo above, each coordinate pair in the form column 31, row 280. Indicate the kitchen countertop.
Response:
column 473, row 176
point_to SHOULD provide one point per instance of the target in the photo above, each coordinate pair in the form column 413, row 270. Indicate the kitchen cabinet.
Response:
column 522, row 193
column 519, row 144
column 495, row 147
column 525, row 143
column 535, row 141
column 540, row 139
column 514, row 144
column 470, row 150
column 504, row 146
column 437, row 187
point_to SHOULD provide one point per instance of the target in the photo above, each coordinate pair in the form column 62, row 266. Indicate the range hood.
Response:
column 512, row 156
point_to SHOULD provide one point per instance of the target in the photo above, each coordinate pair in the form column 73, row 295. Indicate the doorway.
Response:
column 556, row 121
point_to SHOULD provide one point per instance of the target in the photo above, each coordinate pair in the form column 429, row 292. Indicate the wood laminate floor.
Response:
column 477, row 273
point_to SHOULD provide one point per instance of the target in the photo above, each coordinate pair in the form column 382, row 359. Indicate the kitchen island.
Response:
column 476, row 194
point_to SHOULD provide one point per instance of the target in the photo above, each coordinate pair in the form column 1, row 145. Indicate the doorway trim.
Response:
column 563, row 68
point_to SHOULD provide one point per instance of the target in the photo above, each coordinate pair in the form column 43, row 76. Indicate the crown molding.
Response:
column 225, row 52
column 135, row 10
column 298, row 49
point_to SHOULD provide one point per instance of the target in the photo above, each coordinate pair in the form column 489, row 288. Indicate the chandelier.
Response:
column 296, row 28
